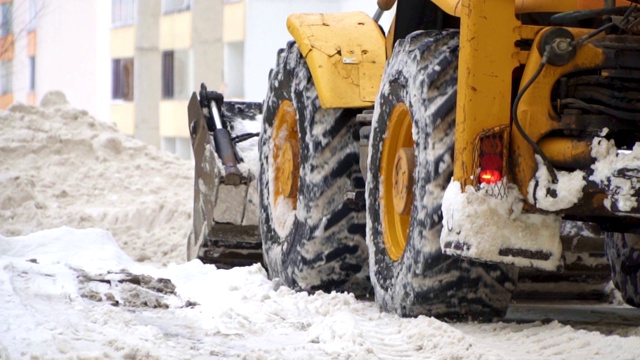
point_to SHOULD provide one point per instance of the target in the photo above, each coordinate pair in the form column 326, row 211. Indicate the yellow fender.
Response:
column 345, row 53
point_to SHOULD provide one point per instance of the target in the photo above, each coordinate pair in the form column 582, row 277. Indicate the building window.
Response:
column 6, row 20
column 32, row 73
column 123, row 12
column 176, row 74
column 6, row 81
column 173, row 6
column 167, row 74
column 122, row 79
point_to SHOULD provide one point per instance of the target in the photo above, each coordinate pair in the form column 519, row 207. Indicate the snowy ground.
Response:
column 93, row 228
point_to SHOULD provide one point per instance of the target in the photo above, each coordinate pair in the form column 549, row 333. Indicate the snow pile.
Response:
column 617, row 170
column 61, row 167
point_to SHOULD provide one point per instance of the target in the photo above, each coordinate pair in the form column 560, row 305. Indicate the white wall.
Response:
column 234, row 69
column 73, row 53
column 266, row 32
column 20, row 80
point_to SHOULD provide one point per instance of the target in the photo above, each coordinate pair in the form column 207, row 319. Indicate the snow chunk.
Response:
column 546, row 195
column 90, row 249
column 618, row 171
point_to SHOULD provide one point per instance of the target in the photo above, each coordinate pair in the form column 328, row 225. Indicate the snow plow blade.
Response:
column 225, row 200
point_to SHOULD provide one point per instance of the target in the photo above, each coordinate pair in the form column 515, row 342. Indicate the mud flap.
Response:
column 225, row 217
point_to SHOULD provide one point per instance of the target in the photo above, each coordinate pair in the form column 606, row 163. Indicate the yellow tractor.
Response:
column 428, row 165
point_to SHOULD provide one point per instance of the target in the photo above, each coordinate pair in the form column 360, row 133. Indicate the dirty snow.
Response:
column 550, row 196
column 92, row 237
column 608, row 169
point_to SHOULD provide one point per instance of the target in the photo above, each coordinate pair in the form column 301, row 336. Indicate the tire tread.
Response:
column 320, row 251
column 424, row 281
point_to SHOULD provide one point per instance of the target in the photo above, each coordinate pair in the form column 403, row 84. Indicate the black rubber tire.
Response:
column 422, row 73
column 624, row 259
column 324, row 248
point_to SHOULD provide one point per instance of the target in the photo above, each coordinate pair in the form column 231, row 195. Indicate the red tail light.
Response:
column 490, row 176
column 491, row 158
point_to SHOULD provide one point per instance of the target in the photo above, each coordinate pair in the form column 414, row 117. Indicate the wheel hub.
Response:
column 397, row 166
column 286, row 153
column 403, row 181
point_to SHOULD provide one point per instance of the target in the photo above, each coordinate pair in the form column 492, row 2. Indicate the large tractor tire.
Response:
column 410, row 166
column 623, row 253
column 312, row 240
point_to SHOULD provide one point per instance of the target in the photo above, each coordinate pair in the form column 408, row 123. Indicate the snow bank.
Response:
column 61, row 167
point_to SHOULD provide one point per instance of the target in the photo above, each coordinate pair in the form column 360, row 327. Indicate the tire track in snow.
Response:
column 388, row 337
column 552, row 341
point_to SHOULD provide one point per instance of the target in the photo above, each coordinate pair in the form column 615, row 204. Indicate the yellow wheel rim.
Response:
column 397, row 165
column 286, row 153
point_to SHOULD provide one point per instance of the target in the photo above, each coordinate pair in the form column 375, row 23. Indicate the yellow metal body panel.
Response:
column 345, row 53
column 458, row 7
column 566, row 152
column 390, row 35
column 488, row 56
column 535, row 111
column 488, row 31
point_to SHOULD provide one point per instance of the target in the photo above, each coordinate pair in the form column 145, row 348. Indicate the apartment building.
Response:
column 160, row 52
column 54, row 45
